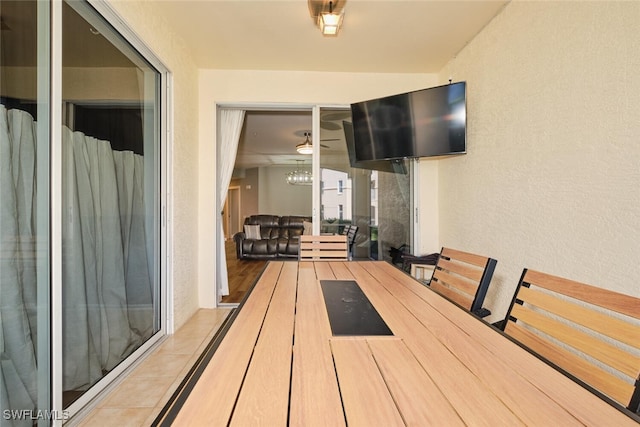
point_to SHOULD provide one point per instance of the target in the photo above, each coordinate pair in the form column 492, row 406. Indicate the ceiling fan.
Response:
column 331, row 120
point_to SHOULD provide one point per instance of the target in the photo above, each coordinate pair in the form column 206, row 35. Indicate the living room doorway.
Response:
column 378, row 199
column 266, row 153
column 232, row 213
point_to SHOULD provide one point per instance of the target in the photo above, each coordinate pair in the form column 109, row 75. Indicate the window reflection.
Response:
column 23, row 213
column 374, row 196
column 109, row 236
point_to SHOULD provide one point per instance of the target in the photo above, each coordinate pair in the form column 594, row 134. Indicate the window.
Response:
column 110, row 178
column 90, row 242
column 379, row 202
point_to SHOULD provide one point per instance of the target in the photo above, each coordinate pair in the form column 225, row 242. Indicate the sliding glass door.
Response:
column 375, row 197
column 80, row 207
column 110, row 206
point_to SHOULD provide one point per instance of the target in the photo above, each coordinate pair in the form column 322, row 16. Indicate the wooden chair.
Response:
column 330, row 247
column 463, row 278
column 588, row 332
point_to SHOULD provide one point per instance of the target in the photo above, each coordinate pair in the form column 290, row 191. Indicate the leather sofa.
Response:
column 278, row 237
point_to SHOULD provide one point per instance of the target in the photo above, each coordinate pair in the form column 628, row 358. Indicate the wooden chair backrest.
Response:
column 463, row 277
column 331, row 247
column 586, row 331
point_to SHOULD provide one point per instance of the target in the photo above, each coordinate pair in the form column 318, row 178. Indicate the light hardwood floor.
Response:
column 242, row 274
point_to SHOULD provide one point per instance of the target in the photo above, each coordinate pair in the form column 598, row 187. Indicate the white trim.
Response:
column 315, row 170
column 414, row 167
column 167, row 126
column 43, row 214
column 267, row 106
column 116, row 21
column 55, row 202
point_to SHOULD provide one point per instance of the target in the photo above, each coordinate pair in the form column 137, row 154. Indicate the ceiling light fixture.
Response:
column 331, row 22
column 306, row 147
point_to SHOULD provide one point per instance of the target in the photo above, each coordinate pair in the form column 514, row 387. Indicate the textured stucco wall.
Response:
column 551, row 180
column 139, row 15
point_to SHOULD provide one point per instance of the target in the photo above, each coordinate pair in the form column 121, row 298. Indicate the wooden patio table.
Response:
column 279, row 364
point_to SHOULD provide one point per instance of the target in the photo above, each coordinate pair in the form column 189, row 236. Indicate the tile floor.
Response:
column 139, row 398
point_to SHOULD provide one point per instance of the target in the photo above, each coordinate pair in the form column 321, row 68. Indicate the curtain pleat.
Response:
column 106, row 279
column 17, row 351
column 138, row 283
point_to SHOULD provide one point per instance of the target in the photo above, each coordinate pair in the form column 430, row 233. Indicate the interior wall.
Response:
column 250, row 192
column 183, row 188
column 551, row 178
column 276, row 197
column 273, row 88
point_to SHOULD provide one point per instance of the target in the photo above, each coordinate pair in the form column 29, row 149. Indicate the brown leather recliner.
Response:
column 278, row 237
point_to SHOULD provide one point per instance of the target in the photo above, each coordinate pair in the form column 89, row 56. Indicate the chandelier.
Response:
column 299, row 177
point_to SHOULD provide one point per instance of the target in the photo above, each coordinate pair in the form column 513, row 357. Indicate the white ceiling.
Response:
column 413, row 36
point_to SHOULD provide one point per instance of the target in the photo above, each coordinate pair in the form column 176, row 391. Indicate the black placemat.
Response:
column 349, row 310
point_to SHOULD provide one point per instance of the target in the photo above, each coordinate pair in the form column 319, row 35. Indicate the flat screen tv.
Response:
column 424, row 123
column 392, row 165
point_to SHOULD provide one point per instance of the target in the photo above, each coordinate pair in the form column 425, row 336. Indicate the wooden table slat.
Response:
column 324, row 271
column 264, row 398
column 213, row 397
column 365, row 396
column 315, row 396
column 419, row 399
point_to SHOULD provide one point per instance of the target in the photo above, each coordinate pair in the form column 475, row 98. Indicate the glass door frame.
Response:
column 163, row 255
column 414, row 226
